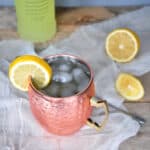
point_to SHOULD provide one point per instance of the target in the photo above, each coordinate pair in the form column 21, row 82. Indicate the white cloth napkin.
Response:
column 19, row 129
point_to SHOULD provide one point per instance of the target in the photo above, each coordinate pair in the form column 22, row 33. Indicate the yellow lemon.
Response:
column 129, row 87
column 28, row 65
column 122, row 45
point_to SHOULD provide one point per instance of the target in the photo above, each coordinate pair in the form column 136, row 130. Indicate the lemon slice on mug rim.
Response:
column 28, row 65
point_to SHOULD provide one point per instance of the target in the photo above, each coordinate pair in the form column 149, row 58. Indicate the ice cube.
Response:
column 65, row 67
column 77, row 72
column 84, row 68
column 52, row 89
column 79, row 75
column 62, row 77
column 54, row 66
column 83, row 84
column 68, row 89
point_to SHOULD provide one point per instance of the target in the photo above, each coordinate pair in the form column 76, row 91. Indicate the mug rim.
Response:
column 77, row 94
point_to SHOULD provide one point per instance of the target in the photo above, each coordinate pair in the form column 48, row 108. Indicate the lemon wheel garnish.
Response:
column 129, row 87
column 28, row 65
column 122, row 45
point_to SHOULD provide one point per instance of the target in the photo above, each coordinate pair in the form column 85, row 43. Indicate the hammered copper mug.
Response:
column 66, row 115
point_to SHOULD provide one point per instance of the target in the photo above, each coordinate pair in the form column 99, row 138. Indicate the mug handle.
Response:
column 99, row 104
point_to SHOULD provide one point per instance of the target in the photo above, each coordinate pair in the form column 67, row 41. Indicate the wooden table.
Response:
column 68, row 21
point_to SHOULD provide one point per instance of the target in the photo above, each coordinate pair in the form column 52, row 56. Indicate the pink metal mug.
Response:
column 66, row 115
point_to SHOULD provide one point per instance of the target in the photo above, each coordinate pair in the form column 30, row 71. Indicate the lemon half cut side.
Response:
column 129, row 87
column 122, row 45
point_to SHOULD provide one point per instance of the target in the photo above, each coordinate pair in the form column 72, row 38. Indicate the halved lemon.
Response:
column 122, row 45
column 28, row 65
column 129, row 87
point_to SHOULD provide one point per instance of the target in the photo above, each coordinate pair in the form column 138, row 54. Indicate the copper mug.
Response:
column 66, row 115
